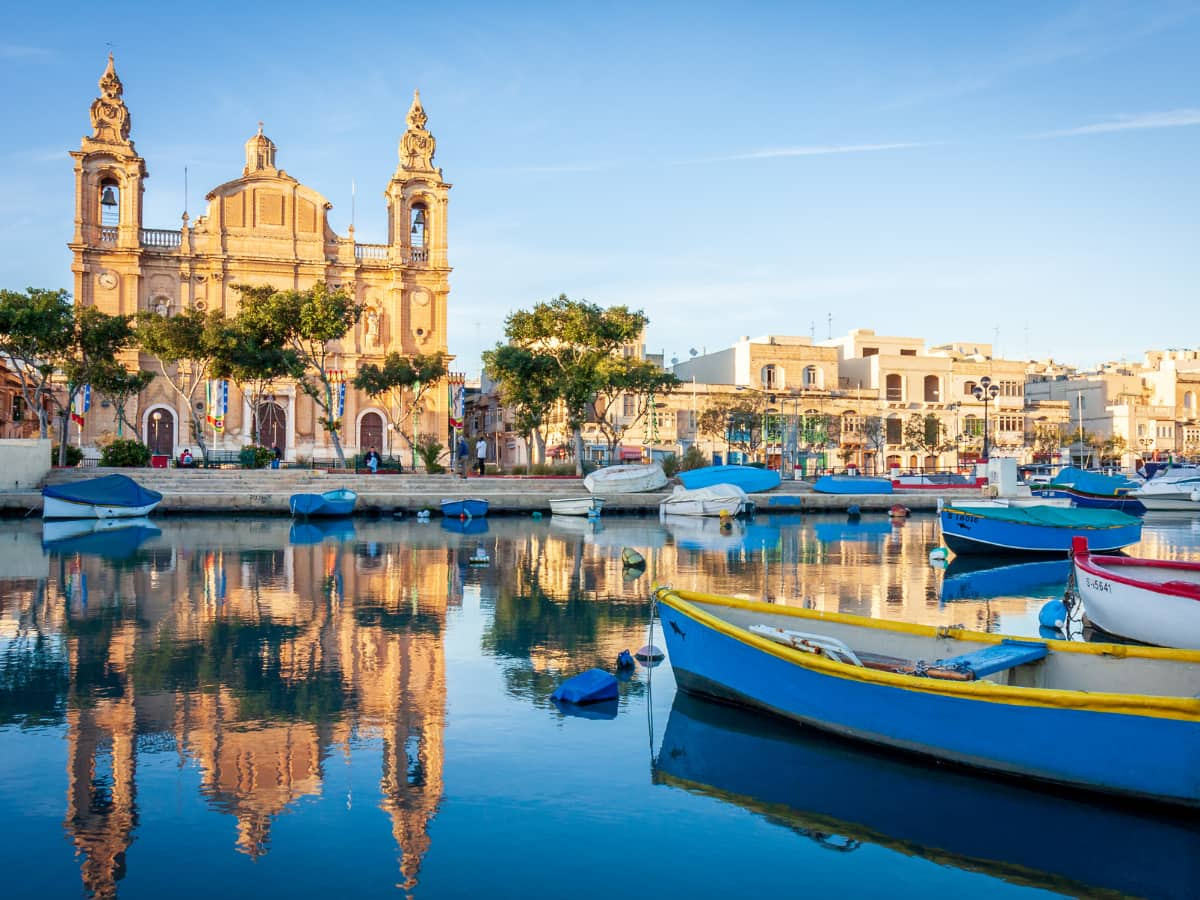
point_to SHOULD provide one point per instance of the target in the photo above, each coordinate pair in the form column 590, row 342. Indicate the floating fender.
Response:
column 899, row 512
column 537, row 514
column 631, row 559
column 938, row 553
column 853, row 512
column 1053, row 614
column 592, row 686
column 625, row 660
column 649, row 653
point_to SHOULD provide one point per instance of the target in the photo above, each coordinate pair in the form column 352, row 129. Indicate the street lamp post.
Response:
column 985, row 391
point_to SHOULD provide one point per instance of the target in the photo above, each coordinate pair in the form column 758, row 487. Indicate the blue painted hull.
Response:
column 970, row 531
column 471, row 508
column 852, row 484
column 980, row 577
column 1136, row 755
column 749, row 478
column 840, row 795
column 1125, row 504
column 330, row 503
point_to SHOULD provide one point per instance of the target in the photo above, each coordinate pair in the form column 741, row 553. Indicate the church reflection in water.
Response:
column 254, row 659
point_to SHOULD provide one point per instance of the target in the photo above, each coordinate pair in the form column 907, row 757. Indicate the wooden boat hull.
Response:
column 1118, row 597
column 331, row 503
column 57, row 508
column 106, row 497
column 750, row 479
column 973, row 530
column 1126, row 503
column 852, row 484
column 469, row 508
column 626, row 479
column 1125, row 744
column 577, row 506
column 714, row 500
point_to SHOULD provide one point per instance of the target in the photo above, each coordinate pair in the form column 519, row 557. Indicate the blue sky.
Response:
column 1023, row 173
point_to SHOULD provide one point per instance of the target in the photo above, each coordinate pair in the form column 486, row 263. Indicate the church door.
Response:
column 272, row 425
column 370, row 433
column 160, row 432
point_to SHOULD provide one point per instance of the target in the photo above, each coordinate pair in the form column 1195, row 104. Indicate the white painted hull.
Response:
column 577, row 506
column 626, row 479
column 1168, row 503
column 57, row 508
column 1140, row 612
column 706, row 501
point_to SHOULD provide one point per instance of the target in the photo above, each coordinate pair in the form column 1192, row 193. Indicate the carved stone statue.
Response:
column 110, row 117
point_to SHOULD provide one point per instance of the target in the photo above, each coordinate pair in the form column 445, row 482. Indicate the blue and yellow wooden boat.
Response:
column 1112, row 718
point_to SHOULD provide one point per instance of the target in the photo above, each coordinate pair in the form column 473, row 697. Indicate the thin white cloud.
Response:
column 1174, row 118
column 811, row 150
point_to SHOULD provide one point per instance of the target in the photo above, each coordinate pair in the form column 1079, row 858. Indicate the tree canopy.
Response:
column 401, row 384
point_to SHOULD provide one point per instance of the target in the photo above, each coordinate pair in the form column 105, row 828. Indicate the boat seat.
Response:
column 971, row 666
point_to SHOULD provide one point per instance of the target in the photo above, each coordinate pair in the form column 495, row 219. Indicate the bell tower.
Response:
column 417, row 196
column 109, row 180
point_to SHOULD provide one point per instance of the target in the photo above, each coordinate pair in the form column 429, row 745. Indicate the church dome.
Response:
column 260, row 153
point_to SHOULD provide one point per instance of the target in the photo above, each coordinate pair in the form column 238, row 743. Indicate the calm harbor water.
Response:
column 247, row 707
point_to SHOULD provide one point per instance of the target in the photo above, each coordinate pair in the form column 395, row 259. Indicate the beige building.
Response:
column 261, row 227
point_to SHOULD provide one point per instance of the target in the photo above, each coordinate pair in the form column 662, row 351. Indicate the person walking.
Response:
column 480, row 454
column 463, row 453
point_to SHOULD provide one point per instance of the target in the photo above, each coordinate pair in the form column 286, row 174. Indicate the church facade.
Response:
column 262, row 227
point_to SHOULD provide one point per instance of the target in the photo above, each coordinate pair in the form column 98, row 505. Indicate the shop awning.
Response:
column 631, row 453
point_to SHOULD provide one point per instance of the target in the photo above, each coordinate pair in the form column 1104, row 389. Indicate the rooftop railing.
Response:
column 163, row 238
column 370, row 251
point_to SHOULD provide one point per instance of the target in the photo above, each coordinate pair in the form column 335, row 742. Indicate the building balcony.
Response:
column 371, row 253
column 160, row 238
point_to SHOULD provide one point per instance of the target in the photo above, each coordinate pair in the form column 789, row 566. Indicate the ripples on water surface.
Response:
column 246, row 707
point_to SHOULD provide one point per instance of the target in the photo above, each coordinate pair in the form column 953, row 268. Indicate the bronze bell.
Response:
column 109, row 198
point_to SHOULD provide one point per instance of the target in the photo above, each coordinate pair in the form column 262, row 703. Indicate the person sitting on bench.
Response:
column 186, row 460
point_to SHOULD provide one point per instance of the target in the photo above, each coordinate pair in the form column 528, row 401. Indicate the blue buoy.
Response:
column 591, row 686
column 853, row 512
column 537, row 514
column 625, row 660
column 1053, row 614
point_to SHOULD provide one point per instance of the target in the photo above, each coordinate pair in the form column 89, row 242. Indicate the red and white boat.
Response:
column 1148, row 600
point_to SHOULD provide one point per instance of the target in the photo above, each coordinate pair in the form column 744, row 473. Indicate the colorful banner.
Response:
column 458, row 402
column 217, row 402
column 81, row 404
column 341, row 399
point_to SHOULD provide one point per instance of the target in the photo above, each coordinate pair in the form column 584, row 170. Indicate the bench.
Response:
column 219, row 459
column 973, row 666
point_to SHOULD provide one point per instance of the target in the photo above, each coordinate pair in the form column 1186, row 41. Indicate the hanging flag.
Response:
column 341, row 399
column 81, row 404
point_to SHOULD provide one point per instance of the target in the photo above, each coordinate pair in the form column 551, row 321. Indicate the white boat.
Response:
column 1147, row 600
column 1175, row 488
column 108, row 497
column 626, row 479
column 576, row 506
column 714, row 500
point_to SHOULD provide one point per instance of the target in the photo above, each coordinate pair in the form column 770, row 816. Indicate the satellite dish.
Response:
column 674, row 360
column 694, row 352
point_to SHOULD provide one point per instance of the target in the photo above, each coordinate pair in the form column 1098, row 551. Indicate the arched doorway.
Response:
column 271, row 426
column 160, row 432
column 370, row 432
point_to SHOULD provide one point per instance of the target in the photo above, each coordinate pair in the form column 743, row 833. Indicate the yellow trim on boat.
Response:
column 1183, row 708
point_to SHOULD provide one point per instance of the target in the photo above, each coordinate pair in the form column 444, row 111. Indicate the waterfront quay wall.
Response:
column 238, row 491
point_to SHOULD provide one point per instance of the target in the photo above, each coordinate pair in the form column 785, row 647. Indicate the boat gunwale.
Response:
column 1192, row 592
column 1147, row 705
column 969, row 511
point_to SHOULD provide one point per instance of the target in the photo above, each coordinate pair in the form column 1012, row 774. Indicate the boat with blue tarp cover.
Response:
column 980, row 528
column 852, row 484
column 469, row 508
column 983, row 700
column 106, row 538
column 107, row 497
column 848, row 797
column 1095, row 490
column 338, row 502
column 750, row 479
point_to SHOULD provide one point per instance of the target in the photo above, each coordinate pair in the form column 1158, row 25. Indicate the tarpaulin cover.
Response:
column 591, row 686
column 110, row 490
column 1053, row 516
column 1092, row 482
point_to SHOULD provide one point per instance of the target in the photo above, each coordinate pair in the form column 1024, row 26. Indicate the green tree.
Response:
column 35, row 332
column 737, row 420
column 617, row 378
column 186, row 347
column 1047, row 441
column 577, row 337
column 120, row 386
column 254, row 360
column 401, row 385
column 927, row 434
column 311, row 324
column 528, row 388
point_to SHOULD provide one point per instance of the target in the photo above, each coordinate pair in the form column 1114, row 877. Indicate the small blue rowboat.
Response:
column 750, row 479
column 107, row 497
column 843, row 796
column 1035, row 529
column 852, row 484
column 470, row 508
column 331, row 503
column 1122, row 720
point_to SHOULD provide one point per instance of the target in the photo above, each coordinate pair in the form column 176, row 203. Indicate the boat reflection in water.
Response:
column 107, row 538
column 316, row 531
column 984, row 577
column 844, row 795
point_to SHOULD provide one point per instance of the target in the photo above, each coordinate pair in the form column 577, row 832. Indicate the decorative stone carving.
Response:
column 110, row 118
column 373, row 320
column 418, row 146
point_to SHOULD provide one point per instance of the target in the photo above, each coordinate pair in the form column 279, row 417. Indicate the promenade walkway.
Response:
column 234, row 491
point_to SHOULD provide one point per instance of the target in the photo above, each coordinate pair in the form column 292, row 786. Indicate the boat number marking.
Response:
column 1096, row 584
